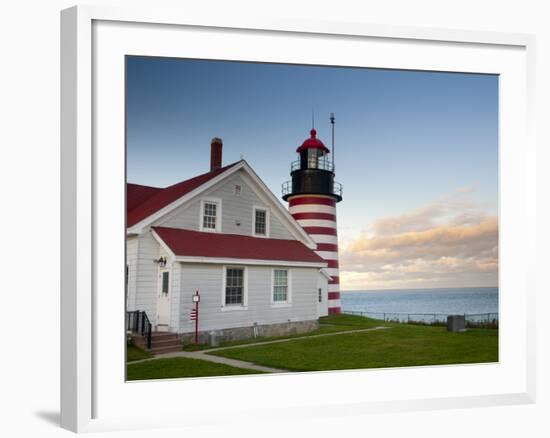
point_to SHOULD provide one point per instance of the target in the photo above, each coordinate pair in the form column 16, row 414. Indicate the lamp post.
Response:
column 195, row 315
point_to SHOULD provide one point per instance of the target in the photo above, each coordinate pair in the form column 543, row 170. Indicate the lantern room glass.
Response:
column 313, row 156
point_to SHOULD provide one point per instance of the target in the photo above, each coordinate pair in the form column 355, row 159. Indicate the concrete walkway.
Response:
column 218, row 359
column 203, row 354
column 297, row 338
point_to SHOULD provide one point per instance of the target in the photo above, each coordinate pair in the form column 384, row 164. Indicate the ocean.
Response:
column 423, row 304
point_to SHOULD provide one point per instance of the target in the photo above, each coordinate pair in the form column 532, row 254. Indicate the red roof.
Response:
column 217, row 245
column 137, row 194
column 143, row 201
column 313, row 143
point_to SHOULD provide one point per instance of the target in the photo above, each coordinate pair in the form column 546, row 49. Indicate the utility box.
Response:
column 214, row 338
column 456, row 323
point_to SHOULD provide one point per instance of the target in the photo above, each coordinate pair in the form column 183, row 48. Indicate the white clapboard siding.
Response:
column 322, row 306
column 145, row 285
column 208, row 279
column 147, row 273
column 131, row 262
column 237, row 211
column 175, row 296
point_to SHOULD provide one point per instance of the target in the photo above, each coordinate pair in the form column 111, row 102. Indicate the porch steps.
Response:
column 161, row 342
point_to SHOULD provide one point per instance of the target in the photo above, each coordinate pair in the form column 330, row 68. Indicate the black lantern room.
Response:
column 313, row 172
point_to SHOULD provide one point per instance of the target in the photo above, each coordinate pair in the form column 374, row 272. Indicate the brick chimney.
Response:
column 216, row 153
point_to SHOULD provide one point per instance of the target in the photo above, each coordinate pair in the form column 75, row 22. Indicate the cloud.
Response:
column 427, row 216
column 449, row 242
column 440, row 241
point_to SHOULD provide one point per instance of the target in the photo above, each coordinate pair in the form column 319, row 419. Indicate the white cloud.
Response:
column 449, row 242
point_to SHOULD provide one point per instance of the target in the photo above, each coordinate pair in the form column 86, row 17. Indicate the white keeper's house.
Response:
column 260, row 269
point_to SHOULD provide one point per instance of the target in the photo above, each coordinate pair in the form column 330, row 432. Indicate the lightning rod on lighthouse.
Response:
column 332, row 119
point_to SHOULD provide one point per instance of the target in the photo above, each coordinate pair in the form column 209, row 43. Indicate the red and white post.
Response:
column 316, row 214
column 195, row 315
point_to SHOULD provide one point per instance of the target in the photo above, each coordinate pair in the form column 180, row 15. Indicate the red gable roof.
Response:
column 216, row 245
column 153, row 202
column 137, row 194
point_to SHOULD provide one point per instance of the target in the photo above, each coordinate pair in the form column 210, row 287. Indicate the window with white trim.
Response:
column 210, row 215
column 234, row 287
column 320, row 295
column 280, row 285
column 260, row 222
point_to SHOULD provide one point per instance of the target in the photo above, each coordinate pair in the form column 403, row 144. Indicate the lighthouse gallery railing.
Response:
column 337, row 189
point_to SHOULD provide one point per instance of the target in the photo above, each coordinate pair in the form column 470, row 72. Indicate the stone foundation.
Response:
column 256, row 331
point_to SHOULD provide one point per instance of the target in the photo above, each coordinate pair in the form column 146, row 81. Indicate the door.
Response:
column 322, row 295
column 163, row 300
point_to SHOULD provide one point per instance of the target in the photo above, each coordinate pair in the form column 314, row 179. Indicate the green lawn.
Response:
column 180, row 367
column 401, row 345
column 133, row 353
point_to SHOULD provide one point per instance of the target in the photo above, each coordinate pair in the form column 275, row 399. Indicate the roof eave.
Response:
column 257, row 262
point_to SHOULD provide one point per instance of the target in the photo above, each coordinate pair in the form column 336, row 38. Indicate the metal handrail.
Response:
column 287, row 188
column 138, row 322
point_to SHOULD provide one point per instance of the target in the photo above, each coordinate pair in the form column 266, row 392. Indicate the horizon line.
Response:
column 419, row 288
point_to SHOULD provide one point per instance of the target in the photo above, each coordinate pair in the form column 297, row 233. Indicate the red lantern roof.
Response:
column 313, row 143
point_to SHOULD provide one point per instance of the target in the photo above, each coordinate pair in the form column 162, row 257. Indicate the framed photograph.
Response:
column 252, row 207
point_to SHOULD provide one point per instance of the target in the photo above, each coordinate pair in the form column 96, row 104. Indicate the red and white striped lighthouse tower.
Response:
column 312, row 195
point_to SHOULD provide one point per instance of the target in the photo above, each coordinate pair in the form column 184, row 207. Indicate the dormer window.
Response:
column 210, row 215
column 261, row 222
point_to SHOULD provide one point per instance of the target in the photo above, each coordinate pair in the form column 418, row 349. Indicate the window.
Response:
column 280, row 286
column 260, row 223
column 165, row 282
column 320, row 295
column 237, row 190
column 209, row 216
column 234, row 286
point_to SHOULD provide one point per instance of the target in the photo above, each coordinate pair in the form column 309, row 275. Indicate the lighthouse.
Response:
column 312, row 195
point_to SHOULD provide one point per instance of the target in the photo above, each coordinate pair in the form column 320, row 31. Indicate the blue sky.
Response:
column 405, row 140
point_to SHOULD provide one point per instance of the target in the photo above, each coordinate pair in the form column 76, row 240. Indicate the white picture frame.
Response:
column 85, row 174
